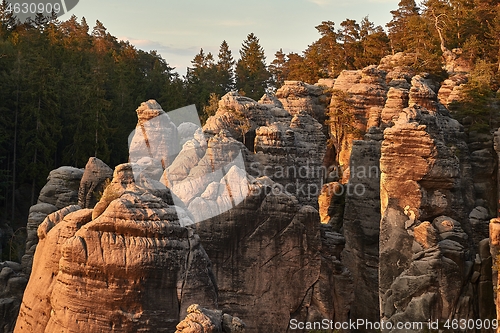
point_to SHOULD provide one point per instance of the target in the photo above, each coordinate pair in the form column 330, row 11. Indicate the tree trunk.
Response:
column 14, row 157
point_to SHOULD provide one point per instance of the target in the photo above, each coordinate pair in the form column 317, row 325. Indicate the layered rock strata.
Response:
column 134, row 259
column 364, row 94
column 62, row 187
column 297, row 96
column 265, row 256
column 93, row 182
column 201, row 320
column 12, row 284
column 425, row 191
column 288, row 149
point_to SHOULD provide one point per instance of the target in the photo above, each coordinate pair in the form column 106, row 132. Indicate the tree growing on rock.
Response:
column 341, row 121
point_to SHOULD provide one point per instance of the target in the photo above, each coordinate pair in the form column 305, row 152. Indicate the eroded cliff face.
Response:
column 426, row 253
column 287, row 146
column 435, row 197
column 132, row 268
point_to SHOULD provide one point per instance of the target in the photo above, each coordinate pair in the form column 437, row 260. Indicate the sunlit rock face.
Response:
column 424, row 182
column 130, row 268
column 201, row 320
column 288, row 143
column 155, row 135
column 365, row 92
column 297, row 96
column 401, row 234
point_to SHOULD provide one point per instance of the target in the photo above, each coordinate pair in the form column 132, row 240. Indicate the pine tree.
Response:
column 374, row 44
column 479, row 103
column 252, row 77
column 399, row 26
column 278, row 69
column 349, row 36
column 7, row 20
column 225, row 70
column 325, row 57
column 201, row 79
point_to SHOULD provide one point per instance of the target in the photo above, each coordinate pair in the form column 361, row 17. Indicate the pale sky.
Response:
column 178, row 29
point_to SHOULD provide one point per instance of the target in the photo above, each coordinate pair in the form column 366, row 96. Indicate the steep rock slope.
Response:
column 133, row 259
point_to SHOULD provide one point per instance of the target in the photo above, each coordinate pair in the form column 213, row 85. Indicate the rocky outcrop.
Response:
column 361, row 224
column 155, row 136
column 92, row 183
column 60, row 191
column 364, row 94
column 134, row 259
column 265, row 256
column 62, row 187
column 450, row 90
column 494, row 241
column 12, row 284
column 483, row 160
column 332, row 296
column 457, row 62
column 208, row 178
column 37, row 214
column 423, row 179
column 292, row 156
column 241, row 116
column 288, row 149
column 404, row 213
column 297, row 96
column 201, row 320
column 496, row 145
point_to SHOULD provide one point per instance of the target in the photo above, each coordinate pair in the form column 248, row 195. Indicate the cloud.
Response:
column 320, row 3
column 235, row 23
column 148, row 45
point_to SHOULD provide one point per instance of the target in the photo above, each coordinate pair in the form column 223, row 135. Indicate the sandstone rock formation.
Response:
column 12, row 284
column 155, row 136
column 404, row 213
column 422, row 263
column 366, row 93
column 292, row 156
column 297, row 96
column 37, row 214
column 265, row 256
column 62, row 187
column 201, row 320
column 288, row 149
column 241, row 116
column 450, row 90
column 494, row 241
column 134, row 260
column 92, row 183
column 361, row 224
column 61, row 190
